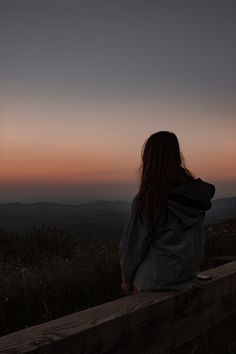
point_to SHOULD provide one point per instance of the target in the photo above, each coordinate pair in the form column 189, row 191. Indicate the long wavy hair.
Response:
column 162, row 168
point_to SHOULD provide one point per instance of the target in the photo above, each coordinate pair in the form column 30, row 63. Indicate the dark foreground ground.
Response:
column 49, row 273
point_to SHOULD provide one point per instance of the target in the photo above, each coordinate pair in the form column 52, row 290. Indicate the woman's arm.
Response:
column 134, row 244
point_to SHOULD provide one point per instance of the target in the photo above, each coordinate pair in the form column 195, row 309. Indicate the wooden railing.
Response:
column 148, row 322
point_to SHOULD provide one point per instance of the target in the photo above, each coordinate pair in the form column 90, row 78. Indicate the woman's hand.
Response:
column 127, row 288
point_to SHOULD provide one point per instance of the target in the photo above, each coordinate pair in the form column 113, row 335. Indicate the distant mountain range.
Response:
column 221, row 209
column 94, row 219
column 97, row 219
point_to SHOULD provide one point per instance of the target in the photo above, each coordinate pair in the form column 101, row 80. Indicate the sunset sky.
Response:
column 85, row 82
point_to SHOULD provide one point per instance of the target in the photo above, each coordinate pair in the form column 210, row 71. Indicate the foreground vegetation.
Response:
column 49, row 272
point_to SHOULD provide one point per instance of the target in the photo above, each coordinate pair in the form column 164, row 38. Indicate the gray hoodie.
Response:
column 169, row 256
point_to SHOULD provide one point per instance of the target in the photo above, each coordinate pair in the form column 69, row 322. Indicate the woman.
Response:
column 162, row 245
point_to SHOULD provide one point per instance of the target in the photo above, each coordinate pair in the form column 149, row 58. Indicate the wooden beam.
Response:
column 219, row 260
column 147, row 322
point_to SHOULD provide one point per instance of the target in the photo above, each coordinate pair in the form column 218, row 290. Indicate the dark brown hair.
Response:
column 162, row 169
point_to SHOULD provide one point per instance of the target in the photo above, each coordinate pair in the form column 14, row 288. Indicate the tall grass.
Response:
column 48, row 273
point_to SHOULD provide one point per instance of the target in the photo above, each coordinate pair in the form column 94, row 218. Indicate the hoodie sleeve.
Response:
column 134, row 244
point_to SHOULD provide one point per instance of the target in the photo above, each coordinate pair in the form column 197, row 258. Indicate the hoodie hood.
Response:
column 190, row 200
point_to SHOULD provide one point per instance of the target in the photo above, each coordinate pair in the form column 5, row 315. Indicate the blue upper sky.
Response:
column 120, row 46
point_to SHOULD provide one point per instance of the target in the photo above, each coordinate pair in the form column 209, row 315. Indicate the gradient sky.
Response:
column 84, row 83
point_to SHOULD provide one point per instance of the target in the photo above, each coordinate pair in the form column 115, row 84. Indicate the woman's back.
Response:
column 177, row 248
column 167, row 256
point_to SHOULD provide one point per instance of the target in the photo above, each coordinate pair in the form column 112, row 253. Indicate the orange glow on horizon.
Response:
column 96, row 170
column 101, row 143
